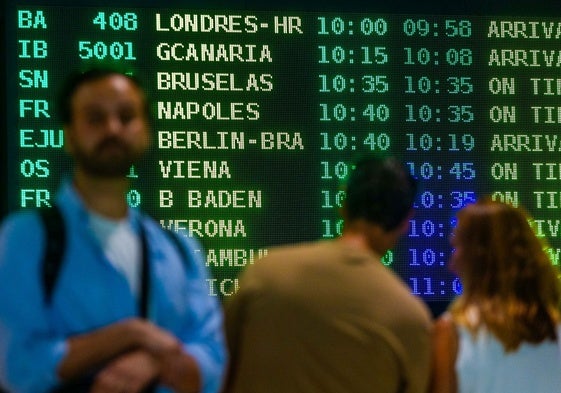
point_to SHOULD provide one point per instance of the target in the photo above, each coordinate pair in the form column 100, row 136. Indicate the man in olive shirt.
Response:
column 328, row 316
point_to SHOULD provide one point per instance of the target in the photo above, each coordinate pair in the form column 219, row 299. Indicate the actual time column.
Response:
column 353, row 110
column 439, row 139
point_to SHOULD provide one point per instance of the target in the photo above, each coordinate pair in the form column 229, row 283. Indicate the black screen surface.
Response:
column 259, row 111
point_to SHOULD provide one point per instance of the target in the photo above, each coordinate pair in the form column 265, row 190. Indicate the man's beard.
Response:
column 101, row 162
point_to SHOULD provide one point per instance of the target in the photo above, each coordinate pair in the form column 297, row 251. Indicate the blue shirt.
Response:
column 91, row 293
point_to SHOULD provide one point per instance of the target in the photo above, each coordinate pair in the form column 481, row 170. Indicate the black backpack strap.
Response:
column 144, row 275
column 145, row 266
column 55, row 244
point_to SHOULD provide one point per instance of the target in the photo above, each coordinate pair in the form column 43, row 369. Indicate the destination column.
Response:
column 219, row 81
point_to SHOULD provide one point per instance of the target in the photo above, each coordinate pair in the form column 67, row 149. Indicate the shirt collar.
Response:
column 68, row 198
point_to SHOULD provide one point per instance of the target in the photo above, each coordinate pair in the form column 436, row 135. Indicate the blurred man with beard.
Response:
column 129, row 311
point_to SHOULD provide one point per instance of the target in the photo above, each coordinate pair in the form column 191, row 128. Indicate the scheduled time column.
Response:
column 354, row 111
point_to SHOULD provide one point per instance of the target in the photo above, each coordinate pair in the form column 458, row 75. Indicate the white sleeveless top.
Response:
column 482, row 365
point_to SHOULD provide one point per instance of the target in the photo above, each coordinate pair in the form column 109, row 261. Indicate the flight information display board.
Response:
column 259, row 115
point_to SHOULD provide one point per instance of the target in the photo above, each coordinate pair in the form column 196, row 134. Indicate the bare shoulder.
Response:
column 444, row 324
column 445, row 348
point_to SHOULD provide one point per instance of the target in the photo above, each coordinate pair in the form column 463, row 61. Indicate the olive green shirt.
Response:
column 324, row 317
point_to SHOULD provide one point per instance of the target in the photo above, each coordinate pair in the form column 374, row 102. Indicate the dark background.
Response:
column 464, row 7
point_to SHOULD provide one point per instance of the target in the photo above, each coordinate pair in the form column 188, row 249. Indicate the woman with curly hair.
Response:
column 501, row 333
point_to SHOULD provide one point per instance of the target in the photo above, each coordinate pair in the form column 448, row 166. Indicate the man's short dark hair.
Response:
column 381, row 191
column 77, row 79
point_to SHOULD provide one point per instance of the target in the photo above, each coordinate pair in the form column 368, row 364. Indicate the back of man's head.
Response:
column 380, row 190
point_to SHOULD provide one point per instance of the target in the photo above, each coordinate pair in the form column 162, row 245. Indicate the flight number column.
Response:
column 438, row 118
column 92, row 37
column 112, row 37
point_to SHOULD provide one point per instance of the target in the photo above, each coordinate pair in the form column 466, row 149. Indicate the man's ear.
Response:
column 343, row 210
column 403, row 228
column 68, row 143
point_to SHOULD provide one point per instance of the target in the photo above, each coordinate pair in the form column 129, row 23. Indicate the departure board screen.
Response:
column 258, row 116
